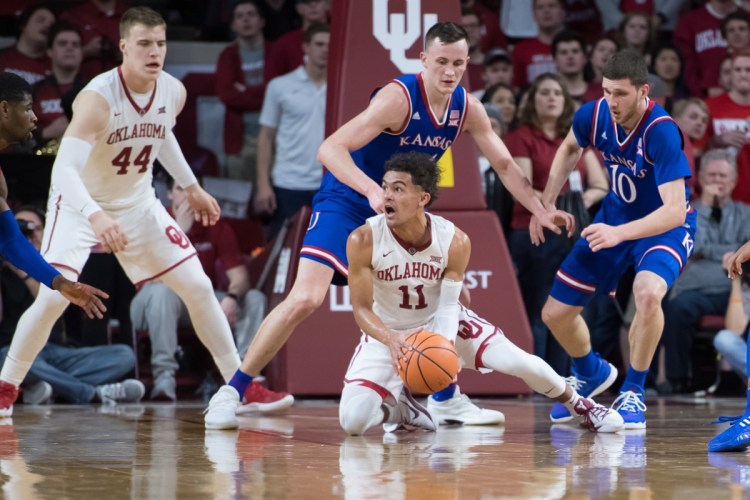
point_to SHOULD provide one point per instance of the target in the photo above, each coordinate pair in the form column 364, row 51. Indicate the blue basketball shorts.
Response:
column 585, row 272
column 325, row 240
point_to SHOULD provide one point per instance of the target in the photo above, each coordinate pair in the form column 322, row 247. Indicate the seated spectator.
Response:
column 545, row 120
column 159, row 310
column 728, row 124
column 698, row 38
column 735, row 28
column 583, row 16
column 731, row 341
column 666, row 63
column 703, row 288
column 569, row 53
column 70, row 374
column 489, row 27
column 725, row 77
column 533, row 57
column 64, row 42
column 291, row 130
column 498, row 68
column 599, row 55
column 691, row 116
column 28, row 57
column 286, row 54
column 470, row 22
column 239, row 85
column 502, row 98
column 99, row 25
column 636, row 32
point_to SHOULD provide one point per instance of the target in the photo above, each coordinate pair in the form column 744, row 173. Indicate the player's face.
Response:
column 246, row 21
column 402, row 200
column 19, row 119
column 693, row 121
column 317, row 50
column 741, row 74
column 144, row 49
column 66, row 50
column 445, row 64
column 549, row 100
column 624, row 99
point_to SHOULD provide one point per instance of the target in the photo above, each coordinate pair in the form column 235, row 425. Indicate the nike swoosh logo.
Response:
column 118, row 114
column 388, row 253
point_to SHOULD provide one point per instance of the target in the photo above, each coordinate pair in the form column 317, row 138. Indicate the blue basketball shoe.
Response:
column 604, row 376
column 630, row 405
column 735, row 438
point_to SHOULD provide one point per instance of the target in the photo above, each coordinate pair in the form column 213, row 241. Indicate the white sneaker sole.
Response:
column 281, row 404
column 602, row 387
column 222, row 426
column 629, row 426
column 6, row 412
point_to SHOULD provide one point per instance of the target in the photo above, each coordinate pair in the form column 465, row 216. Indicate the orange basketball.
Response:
column 431, row 364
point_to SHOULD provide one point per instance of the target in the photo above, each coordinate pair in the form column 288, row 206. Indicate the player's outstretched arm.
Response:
column 359, row 254
column 386, row 111
column 734, row 262
column 478, row 125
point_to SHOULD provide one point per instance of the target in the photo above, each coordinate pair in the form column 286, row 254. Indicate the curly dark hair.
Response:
column 13, row 88
column 424, row 171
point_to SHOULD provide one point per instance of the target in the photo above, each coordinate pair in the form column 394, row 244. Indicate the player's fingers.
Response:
column 553, row 228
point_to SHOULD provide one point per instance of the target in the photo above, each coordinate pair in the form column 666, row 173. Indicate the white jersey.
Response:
column 406, row 280
column 118, row 172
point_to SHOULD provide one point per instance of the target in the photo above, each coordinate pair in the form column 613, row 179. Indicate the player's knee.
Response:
column 357, row 409
column 352, row 421
column 303, row 304
column 555, row 316
column 647, row 301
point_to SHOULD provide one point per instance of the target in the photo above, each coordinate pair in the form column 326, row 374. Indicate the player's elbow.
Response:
column 325, row 151
column 676, row 215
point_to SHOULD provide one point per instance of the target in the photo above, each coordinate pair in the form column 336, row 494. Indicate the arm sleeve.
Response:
column 446, row 317
column 66, row 175
column 171, row 157
column 18, row 251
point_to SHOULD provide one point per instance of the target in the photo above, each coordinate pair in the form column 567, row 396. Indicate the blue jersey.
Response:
column 637, row 163
column 421, row 132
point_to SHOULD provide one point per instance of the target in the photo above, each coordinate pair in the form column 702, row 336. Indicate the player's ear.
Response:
column 645, row 89
column 423, row 58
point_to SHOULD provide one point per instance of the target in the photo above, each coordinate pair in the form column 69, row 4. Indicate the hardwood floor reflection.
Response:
column 160, row 451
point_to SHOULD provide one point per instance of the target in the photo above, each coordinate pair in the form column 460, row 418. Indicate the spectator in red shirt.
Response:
column 99, row 23
column 545, row 120
column 698, row 36
column 240, row 86
column 728, row 123
column 691, row 116
column 475, row 67
column 492, row 35
column 569, row 52
column 286, row 54
column 28, row 57
column 533, row 57
column 583, row 16
column 159, row 310
column 52, row 94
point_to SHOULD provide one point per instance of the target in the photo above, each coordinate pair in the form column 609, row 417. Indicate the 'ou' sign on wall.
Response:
column 398, row 32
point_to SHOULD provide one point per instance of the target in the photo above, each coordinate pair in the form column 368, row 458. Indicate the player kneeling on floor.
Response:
column 406, row 270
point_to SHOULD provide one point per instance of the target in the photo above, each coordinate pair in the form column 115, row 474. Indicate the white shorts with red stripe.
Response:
column 155, row 242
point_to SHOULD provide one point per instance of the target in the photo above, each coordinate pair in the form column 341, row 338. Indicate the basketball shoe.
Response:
column 597, row 418
column 412, row 415
column 460, row 410
column 734, row 438
column 259, row 399
column 631, row 407
column 222, row 409
column 8, row 396
column 588, row 387
column 127, row 391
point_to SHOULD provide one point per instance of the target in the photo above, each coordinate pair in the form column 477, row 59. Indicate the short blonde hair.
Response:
column 679, row 107
column 140, row 15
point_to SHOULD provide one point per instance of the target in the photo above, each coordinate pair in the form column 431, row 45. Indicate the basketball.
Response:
column 431, row 365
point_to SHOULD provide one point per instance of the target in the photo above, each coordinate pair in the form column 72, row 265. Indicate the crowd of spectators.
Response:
column 271, row 79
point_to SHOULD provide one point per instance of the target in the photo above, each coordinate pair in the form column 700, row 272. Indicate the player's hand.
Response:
column 265, row 199
column 375, row 198
column 734, row 262
column 108, row 232
column 230, row 307
column 84, row 296
column 601, row 236
column 206, row 207
column 398, row 347
column 552, row 219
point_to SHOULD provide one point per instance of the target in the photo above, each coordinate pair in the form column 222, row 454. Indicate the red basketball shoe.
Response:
column 8, row 396
column 259, row 399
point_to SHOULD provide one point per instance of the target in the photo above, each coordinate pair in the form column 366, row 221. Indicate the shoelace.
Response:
column 575, row 382
column 629, row 401
column 113, row 392
column 723, row 419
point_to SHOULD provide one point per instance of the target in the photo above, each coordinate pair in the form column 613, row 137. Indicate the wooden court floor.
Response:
column 161, row 451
